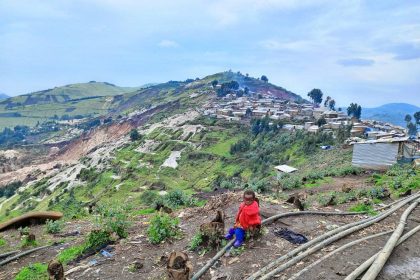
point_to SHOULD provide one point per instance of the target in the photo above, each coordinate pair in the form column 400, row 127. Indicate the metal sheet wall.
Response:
column 376, row 156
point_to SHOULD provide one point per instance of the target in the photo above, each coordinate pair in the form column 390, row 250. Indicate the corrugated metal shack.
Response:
column 383, row 153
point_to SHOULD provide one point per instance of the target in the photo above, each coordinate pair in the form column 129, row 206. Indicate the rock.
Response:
column 136, row 265
column 345, row 188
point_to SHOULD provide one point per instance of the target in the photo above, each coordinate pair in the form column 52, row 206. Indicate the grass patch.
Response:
column 362, row 207
column 70, row 254
column 36, row 271
column 146, row 211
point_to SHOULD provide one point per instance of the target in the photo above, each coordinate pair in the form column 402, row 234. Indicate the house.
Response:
column 313, row 129
column 330, row 114
column 308, row 124
column 358, row 130
column 383, row 153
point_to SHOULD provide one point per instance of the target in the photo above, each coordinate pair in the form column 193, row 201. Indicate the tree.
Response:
column 354, row 110
column 331, row 104
column 316, row 95
column 134, row 135
column 417, row 117
column 327, row 100
column 248, row 112
column 343, row 133
column 246, row 90
column 227, row 88
column 321, row 121
column 407, row 118
column 264, row 78
column 412, row 129
column 214, row 83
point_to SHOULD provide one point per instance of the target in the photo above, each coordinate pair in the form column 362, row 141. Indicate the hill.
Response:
column 97, row 99
column 393, row 113
column 3, row 96
column 81, row 100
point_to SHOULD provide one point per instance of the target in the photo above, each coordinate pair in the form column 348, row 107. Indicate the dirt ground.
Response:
column 404, row 263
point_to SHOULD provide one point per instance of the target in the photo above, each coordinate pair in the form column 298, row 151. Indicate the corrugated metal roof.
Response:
column 377, row 156
column 285, row 168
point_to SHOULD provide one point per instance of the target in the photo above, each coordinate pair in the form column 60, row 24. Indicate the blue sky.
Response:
column 356, row 51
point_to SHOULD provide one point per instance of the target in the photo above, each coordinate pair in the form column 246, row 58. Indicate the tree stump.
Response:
column 31, row 237
column 55, row 270
column 212, row 233
column 179, row 267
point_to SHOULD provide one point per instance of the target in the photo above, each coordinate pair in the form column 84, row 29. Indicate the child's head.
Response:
column 249, row 197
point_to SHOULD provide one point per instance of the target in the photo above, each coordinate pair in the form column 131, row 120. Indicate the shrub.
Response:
column 10, row 189
column 97, row 239
column 177, row 198
column 54, row 226
column 134, row 135
column 2, row 242
column 24, row 231
column 149, row 197
column 27, row 242
column 196, row 241
column 113, row 219
column 162, row 226
column 326, row 199
column 259, row 186
column 289, row 183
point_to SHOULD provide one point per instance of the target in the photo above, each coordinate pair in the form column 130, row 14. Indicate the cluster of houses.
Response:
column 234, row 108
column 377, row 145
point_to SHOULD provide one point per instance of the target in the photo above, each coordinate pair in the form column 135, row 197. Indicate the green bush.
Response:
column 259, row 186
column 2, row 242
column 326, row 199
column 162, row 226
column 26, row 242
column 97, row 239
column 291, row 182
column 178, row 198
column 113, row 219
column 196, row 241
column 54, row 226
column 149, row 198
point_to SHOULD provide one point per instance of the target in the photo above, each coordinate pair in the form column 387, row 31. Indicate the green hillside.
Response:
column 76, row 100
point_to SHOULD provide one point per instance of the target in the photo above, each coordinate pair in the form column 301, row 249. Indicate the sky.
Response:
column 355, row 51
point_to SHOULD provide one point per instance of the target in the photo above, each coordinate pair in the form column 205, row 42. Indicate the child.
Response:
column 248, row 217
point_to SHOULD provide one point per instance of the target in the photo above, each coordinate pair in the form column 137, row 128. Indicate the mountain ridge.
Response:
column 390, row 112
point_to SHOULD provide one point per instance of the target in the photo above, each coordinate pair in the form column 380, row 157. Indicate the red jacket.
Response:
column 248, row 215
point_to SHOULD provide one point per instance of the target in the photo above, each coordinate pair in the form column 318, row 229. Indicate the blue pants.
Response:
column 239, row 235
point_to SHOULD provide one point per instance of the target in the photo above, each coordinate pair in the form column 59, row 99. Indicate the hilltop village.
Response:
column 297, row 115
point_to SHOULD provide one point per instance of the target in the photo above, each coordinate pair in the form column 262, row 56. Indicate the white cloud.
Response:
column 168, row 44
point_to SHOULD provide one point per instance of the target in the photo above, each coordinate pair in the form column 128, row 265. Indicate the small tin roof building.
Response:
column 285, row 168
column 383, row 153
